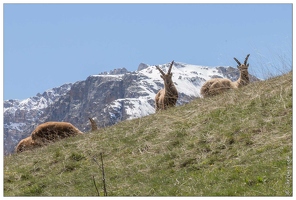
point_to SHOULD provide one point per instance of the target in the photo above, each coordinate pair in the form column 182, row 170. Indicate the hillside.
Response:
column 238, row 144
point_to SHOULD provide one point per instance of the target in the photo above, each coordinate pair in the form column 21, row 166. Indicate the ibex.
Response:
column 166, row 97
column 94, row 126
column 219, row 85
column 50, row 132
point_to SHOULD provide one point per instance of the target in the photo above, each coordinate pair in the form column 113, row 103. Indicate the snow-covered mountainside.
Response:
column 108, row 98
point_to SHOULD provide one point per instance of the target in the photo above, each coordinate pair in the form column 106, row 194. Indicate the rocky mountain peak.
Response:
column 142, row 66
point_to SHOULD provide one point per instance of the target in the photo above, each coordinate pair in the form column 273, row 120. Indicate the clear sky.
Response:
column 47, row 45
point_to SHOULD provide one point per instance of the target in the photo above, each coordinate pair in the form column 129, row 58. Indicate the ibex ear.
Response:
column 161, row 76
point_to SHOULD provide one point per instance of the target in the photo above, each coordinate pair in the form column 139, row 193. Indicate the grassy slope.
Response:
column 238, row 143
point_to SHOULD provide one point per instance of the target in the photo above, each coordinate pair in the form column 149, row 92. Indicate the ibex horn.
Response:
column 246, row 60
column 237, row 61
column 170, row 67
column 160, row 70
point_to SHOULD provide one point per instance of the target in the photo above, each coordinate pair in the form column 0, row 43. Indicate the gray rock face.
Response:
column 108, row 98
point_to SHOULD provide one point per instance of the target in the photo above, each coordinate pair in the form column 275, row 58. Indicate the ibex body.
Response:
column 168, row 96
column 50, row 132
column 219, row 85
column 94, row 126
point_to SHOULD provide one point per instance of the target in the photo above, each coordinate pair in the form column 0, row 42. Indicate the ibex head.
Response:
column 168, row 76
column 243, row 66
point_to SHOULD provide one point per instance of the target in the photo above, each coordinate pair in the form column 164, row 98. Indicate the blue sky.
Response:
column 47, row 45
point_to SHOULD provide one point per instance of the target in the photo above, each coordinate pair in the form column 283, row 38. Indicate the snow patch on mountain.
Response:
column 136, row 108
column 14, row 126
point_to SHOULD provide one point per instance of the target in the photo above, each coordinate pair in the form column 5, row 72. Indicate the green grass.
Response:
column 235, row 144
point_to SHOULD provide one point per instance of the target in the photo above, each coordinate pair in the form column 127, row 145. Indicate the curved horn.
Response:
column 160, row 70
column 170, row 67
column 246, row 60
column 237, row 61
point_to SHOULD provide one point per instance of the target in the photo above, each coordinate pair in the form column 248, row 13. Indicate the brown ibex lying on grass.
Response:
column 219, row 85
column 49, row 132
column 166, row 97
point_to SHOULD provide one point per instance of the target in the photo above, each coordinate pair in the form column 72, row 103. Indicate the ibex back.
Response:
column 219, row 85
